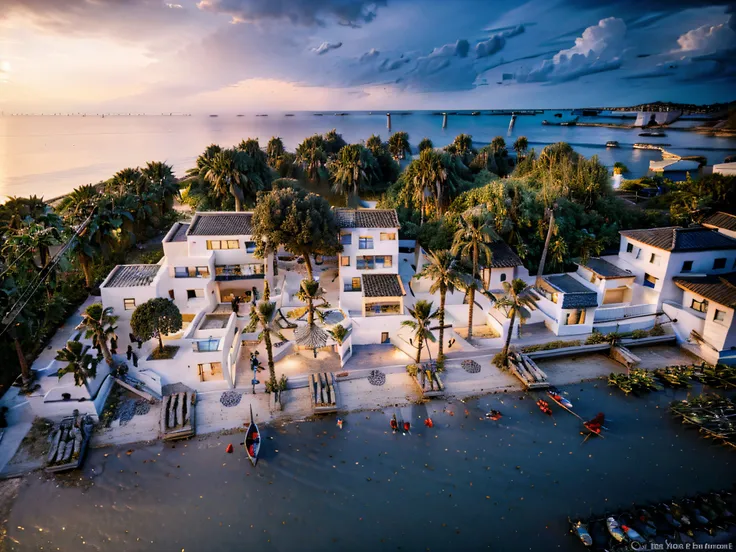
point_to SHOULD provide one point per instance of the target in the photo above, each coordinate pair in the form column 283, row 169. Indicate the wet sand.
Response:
column 466, row 484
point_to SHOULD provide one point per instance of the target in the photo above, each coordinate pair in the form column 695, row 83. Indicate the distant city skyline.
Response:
column 251, row 56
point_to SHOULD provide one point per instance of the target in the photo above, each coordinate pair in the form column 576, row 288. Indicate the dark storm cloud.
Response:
column 299, row 12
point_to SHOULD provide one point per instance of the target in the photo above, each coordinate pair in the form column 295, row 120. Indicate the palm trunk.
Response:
column 238, row 205
column 508, row 336
column 540, row 270
column 420, row 342
column 160, row 342
column 102, row 341
column 269, row 352
column 308, row 264
column 43, row 253
column 87, row 270
column 310, row 312
column 440, row 354
column 472, row 293
column 421, row 219
column 24, row 370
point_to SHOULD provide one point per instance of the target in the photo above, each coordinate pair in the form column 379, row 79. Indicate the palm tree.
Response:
column 422, row 316
column 334, row 142
column 425, row 143
column 589, row 245
column 204, row 161
column 398, row 145
column 162, row 176
column 375, row 144
column 352, row 170
column 498, row 145
column 520, row 146
column 258, row 170
column 472, row 241
column 310, row 292
column 463, row 144
column 98, row 323
column 262, row 315
column 274, row 150
column 312, row 159
column 442, row 270
column 77, row 206
column 227, row 174
column 79, row 362
column 518, row 300
column 558, row 252
column 128, row 180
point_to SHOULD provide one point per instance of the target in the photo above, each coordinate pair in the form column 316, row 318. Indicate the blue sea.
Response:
column 51, row 155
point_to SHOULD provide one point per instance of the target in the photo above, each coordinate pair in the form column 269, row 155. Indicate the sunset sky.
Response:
column 252, row 55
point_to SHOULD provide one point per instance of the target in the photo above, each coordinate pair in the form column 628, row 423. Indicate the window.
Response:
column 719, row 263
column 250, row 247
column 202, row 272
column 384, row 261
column 353, row 285
column 700, row 306
column 687, row 266
column 129, row 304
column 365, row 242
column 365, row 262
column 194, row 293
column 377, row 309
column 719, row 316
column 650, row 281
column 503, row 277
column 344, row 260
column 223, row 244
column 207, row 345
column 655, row 259
column 346, row 239
column 629, row 247
column 388, row 236
column 638, row 253
column 181, row 272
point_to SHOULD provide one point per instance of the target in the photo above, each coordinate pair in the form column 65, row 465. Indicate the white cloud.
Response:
column 326, row 47
column 496, row 42
column 600, row 48
column 369, row 55
column 708, row 39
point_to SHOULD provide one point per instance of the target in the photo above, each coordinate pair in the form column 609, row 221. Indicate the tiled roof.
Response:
column 723, row 220
column 221, row 224
column 180, row 234
column 605, row 269
column 720, row 289
column 382, row 285
column 576, row 294
column 502, row 256
column 367, row 218
column 139, row 275
column 677, row 239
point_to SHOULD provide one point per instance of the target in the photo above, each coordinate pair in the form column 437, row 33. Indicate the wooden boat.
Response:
column 544, row 407
column 556, row 396
column 639, row 145
column 633, row 535
column 252, row 440
column 580, row 530
column 614, row 529
column 612, row 144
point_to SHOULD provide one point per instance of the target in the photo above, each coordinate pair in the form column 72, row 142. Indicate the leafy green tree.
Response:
column 274, row 150
column 310, row 292
column 155, row 318
column 498, row 144
column 310, row 154
column 375, row 144
column 258, row 169
column 472, row 240
column 163, row 181
column 518, row 300
column 302, row 222
column 333, row 142
column 78, row 205
column 521, row 145
column 354, row 169
column 128, row 180
column 443, row 272
column 228, row 174
column 398, row 145
column 425, row 143
column 422, row 317
column 78, row 362
column 98, row 323
column 262, row 316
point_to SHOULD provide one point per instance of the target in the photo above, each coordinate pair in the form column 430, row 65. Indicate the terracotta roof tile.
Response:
column 677, row 239
column 723, row 220
column 382, row 285
column 367, row 218
column 221, row 224
column 720, row 289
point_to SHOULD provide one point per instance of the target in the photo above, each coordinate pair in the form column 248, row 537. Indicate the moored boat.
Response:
column 633, row 535
column 612, row 144
column 252, row 440
column 640, row 145
column 556, row 396
column 615, row 530
column 580, row 530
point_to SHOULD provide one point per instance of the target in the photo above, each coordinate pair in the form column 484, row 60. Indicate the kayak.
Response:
column 615, row 530
column 581, row 531
column 555, row 395
column 633, row 535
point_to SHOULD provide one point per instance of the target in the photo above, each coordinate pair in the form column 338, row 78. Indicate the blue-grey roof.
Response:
column 221, row 224
column 139, row 275
column 605, row 269
column 678, row 239
column 576, row 295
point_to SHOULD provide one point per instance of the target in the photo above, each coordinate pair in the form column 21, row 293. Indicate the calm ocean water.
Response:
column 50, row 156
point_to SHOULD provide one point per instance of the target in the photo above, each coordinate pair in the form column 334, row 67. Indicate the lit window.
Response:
column 353, row 285
column 687, row 266
column 346, row 239
column 700, row 306
column 129, row 304
column 650, row 281
column 344, row 260
column 388, row 236
column 384, row 261
column 719, row 263
column 719, row 316
column 203, row 272
column 365, row 263
column 365, row 242
column 223, row 244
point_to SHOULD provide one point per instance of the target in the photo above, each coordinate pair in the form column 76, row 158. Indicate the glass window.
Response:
column 629, row 247
column 649, row 281
column 719, row 316
column 365, row 242
column 377, row 309
column 203, row 271
column 365, row 263
column 638, row 253
column 719, row 263
column 213, row 244
column 181, row 272
column 233, row 244
column 129, row 304
column 503, row 277
column 384, row 261
column 700, row 306
column 344, row 260
column 687, row 266
column 654, row 259
column 250, row 247
column 346, row 239
column 388, row 236
column 353, row 285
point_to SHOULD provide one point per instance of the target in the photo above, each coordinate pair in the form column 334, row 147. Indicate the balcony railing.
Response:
column 206, row 345
column 605, row 314
column 240, row 272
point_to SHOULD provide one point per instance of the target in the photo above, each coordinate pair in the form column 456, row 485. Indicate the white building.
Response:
column 205, row 265
column 369, row 264
column 568, row 305
column 726, row 169
column 725, row 223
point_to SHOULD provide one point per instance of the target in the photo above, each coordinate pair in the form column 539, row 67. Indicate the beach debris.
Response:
column 470, row 366
column 637, row 379
column 544, row 407
column 494, row 415
column 229, row 399
column 229, row 448
column 428, row 422
column 376, row 377
column 339, row 423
